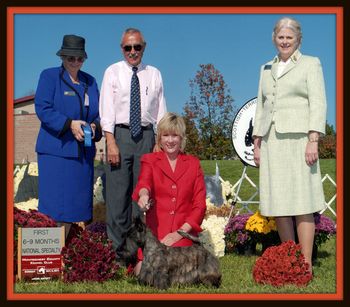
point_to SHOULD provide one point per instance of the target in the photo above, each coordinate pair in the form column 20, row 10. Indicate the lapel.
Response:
column 181, row 166
column 274, row 68
column 289, row 67
column 294, row 60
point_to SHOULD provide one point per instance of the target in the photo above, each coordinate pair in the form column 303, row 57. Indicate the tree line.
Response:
column 209, row 113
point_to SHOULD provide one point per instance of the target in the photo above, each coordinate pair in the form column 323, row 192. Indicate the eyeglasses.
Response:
column 72, row 59
column 127, row 48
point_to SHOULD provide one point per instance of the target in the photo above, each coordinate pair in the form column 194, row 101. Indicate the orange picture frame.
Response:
column 337, row 11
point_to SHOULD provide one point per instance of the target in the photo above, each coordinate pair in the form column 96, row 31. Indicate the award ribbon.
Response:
column 87, row 135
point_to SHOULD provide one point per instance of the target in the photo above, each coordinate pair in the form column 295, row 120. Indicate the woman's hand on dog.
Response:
column 171, row 238
column 144, row 200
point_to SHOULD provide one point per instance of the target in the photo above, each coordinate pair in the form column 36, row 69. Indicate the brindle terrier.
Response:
column 163, row 266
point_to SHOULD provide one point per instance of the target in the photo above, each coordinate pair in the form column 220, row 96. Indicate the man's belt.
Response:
column 148, row 127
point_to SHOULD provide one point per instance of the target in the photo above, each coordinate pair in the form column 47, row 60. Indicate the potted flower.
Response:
column 237, row 238
column 263, row 230
column 32, row 219
column 212, row 237
column 89, row 256
column 325, row 228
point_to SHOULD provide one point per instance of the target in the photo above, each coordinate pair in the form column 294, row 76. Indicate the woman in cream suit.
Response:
column 290, row 117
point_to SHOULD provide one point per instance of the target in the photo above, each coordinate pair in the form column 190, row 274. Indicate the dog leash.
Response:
column 149, row 204
column 188, row 236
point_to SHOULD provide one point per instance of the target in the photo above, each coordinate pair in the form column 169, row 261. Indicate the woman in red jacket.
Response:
column 175, row 183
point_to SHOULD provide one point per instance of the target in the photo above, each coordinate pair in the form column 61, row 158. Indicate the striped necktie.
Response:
column 135, row 105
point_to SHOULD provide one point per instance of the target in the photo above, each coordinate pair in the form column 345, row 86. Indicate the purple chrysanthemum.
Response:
column 97, row 227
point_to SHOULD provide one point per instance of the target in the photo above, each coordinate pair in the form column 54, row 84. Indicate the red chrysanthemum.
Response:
column 89, row 257
column 282, row 264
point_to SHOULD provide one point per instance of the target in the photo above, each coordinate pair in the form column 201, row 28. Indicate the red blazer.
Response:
column 179, row 196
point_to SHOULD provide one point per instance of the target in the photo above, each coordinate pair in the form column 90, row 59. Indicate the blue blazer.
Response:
column 57, row 102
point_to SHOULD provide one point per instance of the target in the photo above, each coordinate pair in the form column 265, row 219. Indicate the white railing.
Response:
column 332, row 200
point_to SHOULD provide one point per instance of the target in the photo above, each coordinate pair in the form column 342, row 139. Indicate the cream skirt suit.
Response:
column 291, row 102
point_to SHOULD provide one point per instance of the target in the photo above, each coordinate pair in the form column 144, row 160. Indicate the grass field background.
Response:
column 236, row 269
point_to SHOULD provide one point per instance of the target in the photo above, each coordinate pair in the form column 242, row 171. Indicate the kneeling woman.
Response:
column 174, row 181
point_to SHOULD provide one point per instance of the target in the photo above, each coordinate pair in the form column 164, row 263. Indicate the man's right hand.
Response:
column 113, row 154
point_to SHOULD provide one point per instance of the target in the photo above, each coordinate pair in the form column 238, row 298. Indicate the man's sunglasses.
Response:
column 72, row 59
column 127, row 48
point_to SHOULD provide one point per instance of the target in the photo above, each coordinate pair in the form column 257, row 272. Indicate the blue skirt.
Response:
column 66, row 187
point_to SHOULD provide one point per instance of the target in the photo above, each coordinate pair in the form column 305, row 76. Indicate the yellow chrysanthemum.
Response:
column 260, row 224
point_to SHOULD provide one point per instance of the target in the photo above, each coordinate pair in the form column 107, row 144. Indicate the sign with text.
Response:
column 39, row 253
column 242, row 129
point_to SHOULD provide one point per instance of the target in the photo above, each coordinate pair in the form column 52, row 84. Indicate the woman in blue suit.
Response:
column 289, row 119
column 66, row 103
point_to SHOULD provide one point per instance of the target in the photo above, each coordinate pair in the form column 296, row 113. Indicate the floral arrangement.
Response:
column 99, row 227
column 237, row 238
column 18, row 178
column 227, row 192
column 89, row 256
column 223, row 210
column 263, row 229
column 212, row 237
column 282, row 264
column 325, row 227
column 19, row 174
column 98, row 189
column 31, row 204
column 260, row 224
column 30, row 218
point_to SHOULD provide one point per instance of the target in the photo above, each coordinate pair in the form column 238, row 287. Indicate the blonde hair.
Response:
column 172, row 123
column 290, row 23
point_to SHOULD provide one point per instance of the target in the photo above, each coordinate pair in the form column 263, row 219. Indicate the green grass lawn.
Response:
column 236, row 278
column 236, row 269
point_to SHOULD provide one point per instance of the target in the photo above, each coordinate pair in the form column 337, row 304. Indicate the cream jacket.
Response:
column 295, row 101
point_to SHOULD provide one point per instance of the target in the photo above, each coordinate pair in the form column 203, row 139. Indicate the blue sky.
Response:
column 237, row 45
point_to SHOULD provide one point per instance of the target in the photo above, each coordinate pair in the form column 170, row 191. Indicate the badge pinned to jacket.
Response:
column 69, row 93
column 267, row 67
column 86, row 100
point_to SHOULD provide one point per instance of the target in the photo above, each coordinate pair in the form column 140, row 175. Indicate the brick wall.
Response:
column 26, row 127
column 26, row 132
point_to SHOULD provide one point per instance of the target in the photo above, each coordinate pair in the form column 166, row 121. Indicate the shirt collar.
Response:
column 294, row 57
column 139, row 67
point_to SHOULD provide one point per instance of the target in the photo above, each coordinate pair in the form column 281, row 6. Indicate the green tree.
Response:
column 193, row 144
column 327, row 143
column 329, row 129
column 209, row 114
